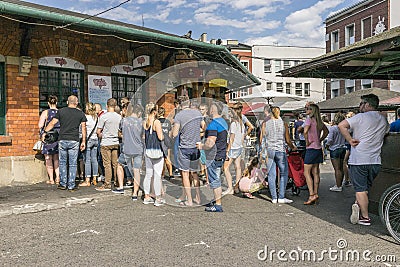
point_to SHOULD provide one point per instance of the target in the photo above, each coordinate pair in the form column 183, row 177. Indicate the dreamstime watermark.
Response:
column 340, row 253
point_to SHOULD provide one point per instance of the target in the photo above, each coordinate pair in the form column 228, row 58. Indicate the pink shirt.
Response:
column 313, row 134
column 255, row 177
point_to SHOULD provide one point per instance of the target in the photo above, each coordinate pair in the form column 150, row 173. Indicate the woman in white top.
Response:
column 234, row 150
column 90, row 154
column 276, row 133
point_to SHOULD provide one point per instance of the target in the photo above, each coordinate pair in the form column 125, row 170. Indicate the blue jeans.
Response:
column 214, row 173
column 277, row 158
column 68, row 154
column 90, row 157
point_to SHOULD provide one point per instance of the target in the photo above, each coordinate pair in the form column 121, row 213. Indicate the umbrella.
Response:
column 269, row 95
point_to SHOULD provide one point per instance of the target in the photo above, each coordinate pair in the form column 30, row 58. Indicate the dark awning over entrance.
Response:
column 376, row 57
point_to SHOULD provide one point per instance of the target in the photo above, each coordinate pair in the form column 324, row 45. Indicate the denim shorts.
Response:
column 214, row 173
column 338, row 153
column 313, row 156
column 235, row 153
column 126, row 160
column 203, row 157
column 362, row 176
column 188, row 159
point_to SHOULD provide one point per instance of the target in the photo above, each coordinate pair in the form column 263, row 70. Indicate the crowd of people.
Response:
column 202, row 141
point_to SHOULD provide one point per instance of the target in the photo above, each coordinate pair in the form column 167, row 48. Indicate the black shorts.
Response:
column 313, row 156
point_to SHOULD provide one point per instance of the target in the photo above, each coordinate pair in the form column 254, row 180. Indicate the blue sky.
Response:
column 286, row 22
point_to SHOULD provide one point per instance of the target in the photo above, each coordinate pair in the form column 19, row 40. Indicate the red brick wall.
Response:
column 22, row 112
column 381, row 9
column 22, row 93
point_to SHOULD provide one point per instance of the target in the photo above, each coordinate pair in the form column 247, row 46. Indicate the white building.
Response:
column 268, row 60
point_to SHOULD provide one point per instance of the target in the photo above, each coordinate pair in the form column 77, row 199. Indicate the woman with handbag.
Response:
column 50, row 150
column 90, row 154
column 154, row 157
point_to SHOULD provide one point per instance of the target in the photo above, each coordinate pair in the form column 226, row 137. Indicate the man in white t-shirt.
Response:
column 369, row 128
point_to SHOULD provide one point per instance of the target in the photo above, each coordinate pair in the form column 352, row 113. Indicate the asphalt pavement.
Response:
column 45, row 227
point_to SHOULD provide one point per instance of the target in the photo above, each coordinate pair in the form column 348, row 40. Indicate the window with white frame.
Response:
column 286, row 64
column 366, row 28
column 279, row 87
column 349, row 35
column 350, row 85
column 334, row 40
column 366, row 83
column 299, row 89
column 335, row 86
column 296, row 62
column 269, row 86
column 277, row 65
column 244, row 92
column 288, row 88
column 267, row 65
column 307, row 89
column 233, row 95
column 245, row 64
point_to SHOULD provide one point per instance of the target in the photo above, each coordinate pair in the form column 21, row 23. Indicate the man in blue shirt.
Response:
column 215, row 147
column 395, row 126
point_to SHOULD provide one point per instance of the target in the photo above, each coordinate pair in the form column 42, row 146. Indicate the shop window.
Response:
column 127, row 86
column 61, row 83
column 2, row 101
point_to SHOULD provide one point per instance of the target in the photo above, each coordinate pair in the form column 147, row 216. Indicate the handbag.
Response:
column 51, row 137
column 38, row 146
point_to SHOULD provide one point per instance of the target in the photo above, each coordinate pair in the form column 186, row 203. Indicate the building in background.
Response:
column 244, row 54
column 360, row 21
column 268, row 60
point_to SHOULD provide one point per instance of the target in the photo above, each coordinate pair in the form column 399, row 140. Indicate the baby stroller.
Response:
column 296, row 172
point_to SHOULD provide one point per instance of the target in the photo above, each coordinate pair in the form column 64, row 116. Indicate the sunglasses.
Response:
column 363, row 102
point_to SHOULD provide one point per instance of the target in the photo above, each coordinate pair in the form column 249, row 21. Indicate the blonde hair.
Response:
column 150, row 108
column 91, row 110
column 276, row 112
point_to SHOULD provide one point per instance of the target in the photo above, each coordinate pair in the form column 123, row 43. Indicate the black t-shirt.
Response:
column 70, row 119
column 165, row 125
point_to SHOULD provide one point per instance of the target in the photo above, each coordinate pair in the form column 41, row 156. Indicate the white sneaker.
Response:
column 285, row 201
column 335, row 188
column 274, row 201
column 355, row 213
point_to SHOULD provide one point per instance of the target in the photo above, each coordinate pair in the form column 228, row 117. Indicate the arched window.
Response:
column 127, row 82
column 61, row 77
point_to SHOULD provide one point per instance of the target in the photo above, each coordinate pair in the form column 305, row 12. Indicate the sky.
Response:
column 263, row 22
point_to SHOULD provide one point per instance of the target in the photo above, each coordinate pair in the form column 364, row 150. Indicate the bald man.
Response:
column 70, row 119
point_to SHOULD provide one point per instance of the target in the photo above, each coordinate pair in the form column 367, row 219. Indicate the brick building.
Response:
column 47, row 51
column 358, row 22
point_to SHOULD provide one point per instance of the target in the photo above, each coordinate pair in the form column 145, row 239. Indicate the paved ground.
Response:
column 88, row 228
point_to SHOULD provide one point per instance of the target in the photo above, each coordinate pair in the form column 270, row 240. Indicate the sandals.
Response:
column 49, row 182
column 85, row 183
column 312, row 199
column 248, row 195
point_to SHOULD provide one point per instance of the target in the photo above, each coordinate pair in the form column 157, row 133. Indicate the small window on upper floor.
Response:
column 350, row 39
column 269, row 86
column 286, row 64
column 278, row 66
column 335, row 40
column 267, row 65
column 279, row 87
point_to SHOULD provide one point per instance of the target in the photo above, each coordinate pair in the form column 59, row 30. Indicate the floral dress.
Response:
column 50, row 149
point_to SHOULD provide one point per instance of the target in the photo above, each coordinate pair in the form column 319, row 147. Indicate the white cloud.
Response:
column 302, row 28
column 261, row 12
column 208, row 8
column 253, row 26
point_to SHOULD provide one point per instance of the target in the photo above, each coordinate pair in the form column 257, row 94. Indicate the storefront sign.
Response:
column 141, row 61
column 127, row 69
column 60, row 62
column 99, row 89
column 218, row 83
